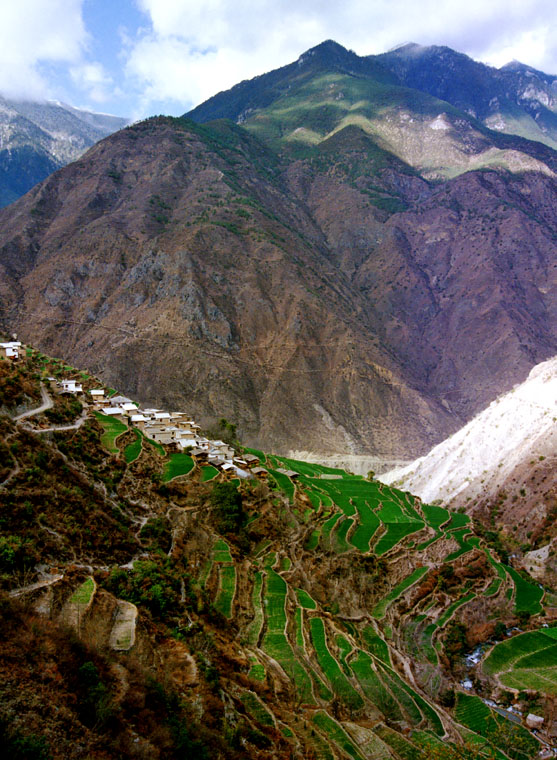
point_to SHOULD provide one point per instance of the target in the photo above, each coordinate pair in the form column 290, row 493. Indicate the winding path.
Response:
column 48, row 403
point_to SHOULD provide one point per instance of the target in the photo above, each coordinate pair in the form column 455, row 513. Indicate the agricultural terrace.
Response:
column 275, row 642
column 222, row 559
column 112, row 428
column 526, row 661
column 499, row 732
column 133, row 450
column 381, row 608
column 178, row 464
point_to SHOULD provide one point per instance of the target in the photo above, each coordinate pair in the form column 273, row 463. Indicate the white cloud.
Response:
column 192, row 50
column 93, row 80
column 34, row 33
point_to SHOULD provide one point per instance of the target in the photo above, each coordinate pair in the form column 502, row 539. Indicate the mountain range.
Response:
column 37, row 138
column 330, row 257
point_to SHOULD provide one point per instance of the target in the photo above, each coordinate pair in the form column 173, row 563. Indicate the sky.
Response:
column 136, row 58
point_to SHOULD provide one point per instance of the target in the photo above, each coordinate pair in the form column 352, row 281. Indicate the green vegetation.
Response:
column 255, row 627
column 526, row 661
column 83, row 594
column 208, row 473
column 112, row 429
column 133, row 450
column 337, row 679
column 381, row 607
column 527, row 595
column 227, row 589
column 305, row 600
column 226, row 500
column 177, row 465
column 335, row 732
column 275, row 642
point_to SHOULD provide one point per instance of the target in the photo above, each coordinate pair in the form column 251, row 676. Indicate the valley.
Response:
column 304, row 611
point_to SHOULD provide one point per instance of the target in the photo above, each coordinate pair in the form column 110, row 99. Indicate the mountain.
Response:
column 298, row 106
column 501, row 462
column 38, row 138
column 153, row 608
column 515, row 99
column 356, row 268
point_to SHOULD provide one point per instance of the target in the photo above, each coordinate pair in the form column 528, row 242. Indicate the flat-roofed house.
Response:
column 138, row 420
column 114, row 411
column 71, row 386
column 129, row 408
column 260, row 472
column 228, row 469
column 199, row 455
column 292, row 474
column 11, row 349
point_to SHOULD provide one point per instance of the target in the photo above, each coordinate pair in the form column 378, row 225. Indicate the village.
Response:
column 175, row 431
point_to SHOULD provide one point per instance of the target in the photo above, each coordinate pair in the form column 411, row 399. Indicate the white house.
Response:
column 11, row 350
column 97, row 393
column 71, row 386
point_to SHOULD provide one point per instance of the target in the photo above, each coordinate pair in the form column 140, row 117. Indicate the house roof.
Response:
column 290, row 473
column 129, row 407
column 120, row 400
column 251, row 458
column 112, row 410
column 259, row 470
column 97, row 392
column 138, row 418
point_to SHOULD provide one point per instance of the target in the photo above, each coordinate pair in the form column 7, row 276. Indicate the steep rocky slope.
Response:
column 38, row 138
column 323, row 615
column 501, row 462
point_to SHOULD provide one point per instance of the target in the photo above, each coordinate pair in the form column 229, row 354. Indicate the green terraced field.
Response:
column 338, row 538
column 404, row 749
column 373, row 687
column 435, row 516
column 341, row 686
column 527, row 661
column 112, row 429
column 208, row 473
column 344, row 648
column 458, row 520
column 334, row 731
column 256, row 671
column 257, row 709
column 83, row 594
column 305, row 600
column 221, row 551
column 227, row 589
column 454, row 606
column 368, row 524
column 380, row 609
column 474, row 714
column 275, row 642
column 325, row 537
column 527, row 595
column 375, row 644
column 133, row 450
column 178, row 464
column 396, row 532
column 284, row 484
column 254, row 630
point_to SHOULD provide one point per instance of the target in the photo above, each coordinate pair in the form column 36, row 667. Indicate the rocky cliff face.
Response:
column 501, row 465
